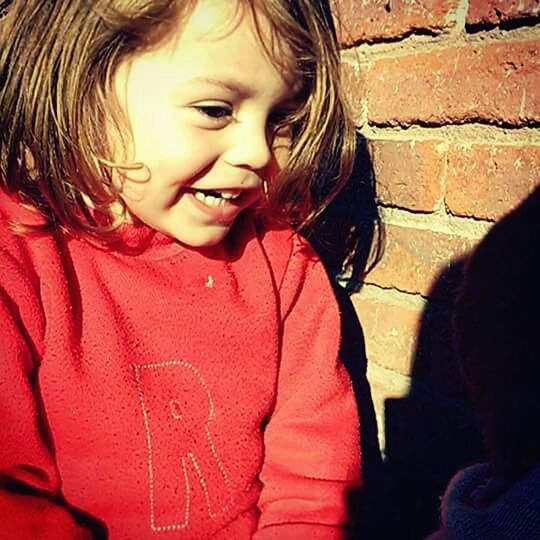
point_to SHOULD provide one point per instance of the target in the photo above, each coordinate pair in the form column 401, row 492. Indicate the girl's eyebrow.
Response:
column 238, row 87
column 230, row 85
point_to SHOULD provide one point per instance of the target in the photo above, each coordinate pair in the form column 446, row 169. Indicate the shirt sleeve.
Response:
column 30, row 500
column 312, row 446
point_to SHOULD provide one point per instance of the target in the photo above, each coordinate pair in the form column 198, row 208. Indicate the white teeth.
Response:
column 229, row 195
column 209, row 200
column 216, row 200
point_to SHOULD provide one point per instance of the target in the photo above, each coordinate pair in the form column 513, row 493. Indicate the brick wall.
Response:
column 447, row 94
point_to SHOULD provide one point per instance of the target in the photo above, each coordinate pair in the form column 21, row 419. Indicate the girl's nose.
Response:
column 250, row 147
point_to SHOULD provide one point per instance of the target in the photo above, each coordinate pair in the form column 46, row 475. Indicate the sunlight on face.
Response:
column 202, row 109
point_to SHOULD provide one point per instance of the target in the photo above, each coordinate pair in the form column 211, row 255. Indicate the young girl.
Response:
column 168, row 366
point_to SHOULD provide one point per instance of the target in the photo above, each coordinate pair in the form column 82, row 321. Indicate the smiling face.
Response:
column 202, row 110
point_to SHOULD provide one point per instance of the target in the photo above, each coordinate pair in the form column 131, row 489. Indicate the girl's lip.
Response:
column 225, row 213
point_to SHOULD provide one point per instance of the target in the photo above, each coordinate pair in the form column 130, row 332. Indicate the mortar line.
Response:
column 420, row 44
column 464, row 134
column 469, row 228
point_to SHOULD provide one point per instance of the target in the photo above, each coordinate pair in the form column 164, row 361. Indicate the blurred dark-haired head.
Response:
column 498, row 337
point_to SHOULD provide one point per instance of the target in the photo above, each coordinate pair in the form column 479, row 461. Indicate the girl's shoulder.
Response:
column 20, row 280
column 13, row 209
column 292, row 259
column 12, row 213
column 15, row 214
column 282, row 241
column 20, row 236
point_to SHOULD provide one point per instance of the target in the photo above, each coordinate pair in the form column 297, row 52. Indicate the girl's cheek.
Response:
column 132, row 191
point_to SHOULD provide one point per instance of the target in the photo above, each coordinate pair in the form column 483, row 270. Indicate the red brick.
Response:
column 414, row 259
column 390, row 332
column 408, row 173
column 373, row 20
column 354, row 87
column 491, row 83
column 497, row 11
column 486, row 181
column 412, row 341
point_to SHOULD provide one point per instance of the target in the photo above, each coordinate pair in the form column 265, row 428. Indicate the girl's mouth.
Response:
column 215, row 198
column 221, row 206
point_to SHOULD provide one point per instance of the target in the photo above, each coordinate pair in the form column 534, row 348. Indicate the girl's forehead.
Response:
column 214, row 16
column 232, row 25
column 217, row 44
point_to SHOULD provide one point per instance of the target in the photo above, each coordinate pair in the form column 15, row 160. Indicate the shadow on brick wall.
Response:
column 348, row 238
column 431, row 432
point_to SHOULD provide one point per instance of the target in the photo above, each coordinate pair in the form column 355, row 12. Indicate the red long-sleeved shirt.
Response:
column 169, row 392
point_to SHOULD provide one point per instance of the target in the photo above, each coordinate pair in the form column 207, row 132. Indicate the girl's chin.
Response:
column 210, row 236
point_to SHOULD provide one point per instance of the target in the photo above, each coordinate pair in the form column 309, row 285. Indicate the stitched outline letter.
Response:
column 178, row 409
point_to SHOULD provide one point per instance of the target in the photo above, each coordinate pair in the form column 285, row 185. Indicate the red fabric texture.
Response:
column 168, row 392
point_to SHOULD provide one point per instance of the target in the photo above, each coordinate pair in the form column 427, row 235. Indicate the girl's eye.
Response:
column 218, row 113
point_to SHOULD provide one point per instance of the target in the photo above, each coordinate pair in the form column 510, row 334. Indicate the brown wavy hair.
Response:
column 57, row 64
